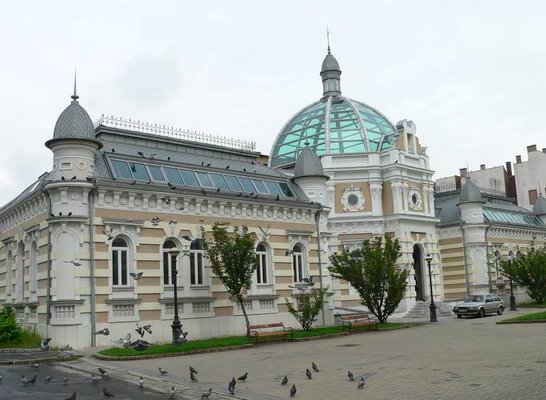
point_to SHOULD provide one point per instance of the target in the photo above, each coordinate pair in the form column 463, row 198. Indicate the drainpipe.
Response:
column 317, row 217
column 48, row 288
column 92, row 266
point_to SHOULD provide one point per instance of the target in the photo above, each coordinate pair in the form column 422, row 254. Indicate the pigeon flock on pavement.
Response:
column 126, row 342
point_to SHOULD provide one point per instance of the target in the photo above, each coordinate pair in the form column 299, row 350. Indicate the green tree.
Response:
column 233, row 259
column 373, row 272
column 308, row 308
column 10, row 330
column 529, row 270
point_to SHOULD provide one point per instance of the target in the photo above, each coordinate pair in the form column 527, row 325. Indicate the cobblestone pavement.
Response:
column 470, row 358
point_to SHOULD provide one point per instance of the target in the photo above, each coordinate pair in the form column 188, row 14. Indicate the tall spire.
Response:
column 75, row 95
column 330, row 73
column 328, row 38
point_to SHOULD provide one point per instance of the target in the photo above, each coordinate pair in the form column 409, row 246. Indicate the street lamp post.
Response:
column 512, row 297
column 176, row 326
column 432, row 306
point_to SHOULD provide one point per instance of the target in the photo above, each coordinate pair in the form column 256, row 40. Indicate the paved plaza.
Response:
column 468, row 358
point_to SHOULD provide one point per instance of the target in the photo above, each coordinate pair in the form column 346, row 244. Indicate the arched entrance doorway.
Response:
column 418, row 272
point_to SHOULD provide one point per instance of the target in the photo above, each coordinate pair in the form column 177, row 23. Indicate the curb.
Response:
column 69, row 357
column 531, row 321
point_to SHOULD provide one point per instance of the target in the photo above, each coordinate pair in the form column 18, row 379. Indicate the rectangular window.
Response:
column 532, row 196
column 259, row 186
column 261, row 272
column 272, row 188
column 233, row 183
column 247, row 185
column 285, row 189
column 297, row 265
column 156, row 173
column 119, row 267
column 139, row 171
column 204, row 179
column 196, row 268
column 172, row 175
column 189, row 177
column 219, row 181
column 121, row 169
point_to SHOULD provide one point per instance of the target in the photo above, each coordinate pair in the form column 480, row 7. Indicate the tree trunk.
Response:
column 243, row 309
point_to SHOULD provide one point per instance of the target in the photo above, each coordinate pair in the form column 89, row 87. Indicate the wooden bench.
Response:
column 270, row 331
column 355, row 320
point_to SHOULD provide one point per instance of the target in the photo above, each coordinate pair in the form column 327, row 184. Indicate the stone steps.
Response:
column 421, row 310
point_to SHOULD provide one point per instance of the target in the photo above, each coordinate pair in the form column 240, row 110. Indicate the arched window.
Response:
column 262, row 271
column 9, row 273
column 297, row 263
column 120, row 262
column 196, row 263
column 33, row 267
column 169, row 263
column 20, row 274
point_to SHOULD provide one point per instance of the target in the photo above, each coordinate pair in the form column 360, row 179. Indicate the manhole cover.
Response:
column 348, row 345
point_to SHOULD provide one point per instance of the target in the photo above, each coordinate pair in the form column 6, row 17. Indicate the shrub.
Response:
column 308, row 308
column 9, row 328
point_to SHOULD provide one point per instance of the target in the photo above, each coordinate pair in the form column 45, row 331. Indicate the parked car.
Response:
column 480, row 304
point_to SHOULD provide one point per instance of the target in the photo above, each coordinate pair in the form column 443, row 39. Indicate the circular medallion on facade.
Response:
column 108, row 198
column 138, row 201
column 75, row 196
column 352, row 199
column 270, row 213
column 123, row 200
column 81, row 166
column 414, row 198
column 203, row 208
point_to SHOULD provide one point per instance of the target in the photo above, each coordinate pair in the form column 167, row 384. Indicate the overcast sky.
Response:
column 470, row 74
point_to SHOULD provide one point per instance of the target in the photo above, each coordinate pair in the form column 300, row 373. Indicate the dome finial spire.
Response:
column 328, row 38
column 75, row 95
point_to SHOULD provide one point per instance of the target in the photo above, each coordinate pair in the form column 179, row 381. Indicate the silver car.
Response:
column 480, row 304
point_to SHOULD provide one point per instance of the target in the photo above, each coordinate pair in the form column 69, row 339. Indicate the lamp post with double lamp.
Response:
column 432, row 306
column 510, row 258
column 176, row 326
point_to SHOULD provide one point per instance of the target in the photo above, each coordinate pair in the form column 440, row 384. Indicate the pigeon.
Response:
column 162, row 371
column 48, row 379
column 136, row 276
column 231, row 386
column 94, row 378
column 309, row 281
column 65, row 380
column 148, row 328
column 107, row 394
column 140, row 153
column 35, row 365
column 243, row 377
column 350, row 376
column 104, row 332
column 315, row 368
column 308, row 373
column 24, row 380
column 140, row 345
column 73, row 397
column 140, row 331
column 44, row 345
column 284, row 381
column 172, row 394
column 193, row 378
column 109, row 235
column 192, row 370
column 182, row 338
column 104, row 374
column 361, row 383
column 141, row 383
column 126, row 341
column 155, row 221
column 33, row 379
column 207, row 394
column 0, row 378
column 293, row 390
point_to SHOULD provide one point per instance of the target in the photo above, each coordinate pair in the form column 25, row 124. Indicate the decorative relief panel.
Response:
column 352, row 199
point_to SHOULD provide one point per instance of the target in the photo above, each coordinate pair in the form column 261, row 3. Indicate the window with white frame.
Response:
column 169, row 263
column 262, row 270
column 33, row 252
column 120, row 262
column 297, row 263
column 196, row 263
column 20, row 274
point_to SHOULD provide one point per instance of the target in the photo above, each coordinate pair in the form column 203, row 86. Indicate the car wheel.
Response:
column 459, row 316
column 500, row 310
column 481, row 313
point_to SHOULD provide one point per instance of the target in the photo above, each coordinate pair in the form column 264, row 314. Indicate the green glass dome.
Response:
column 333, row 125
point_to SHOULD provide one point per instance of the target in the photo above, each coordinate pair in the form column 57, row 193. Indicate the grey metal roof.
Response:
column 540, row 206
column 330, row 63
column 74, row 122
column 470, row 193
column 308, row 164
